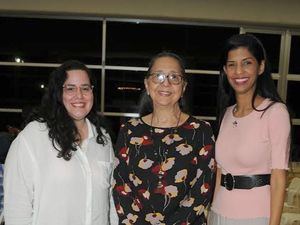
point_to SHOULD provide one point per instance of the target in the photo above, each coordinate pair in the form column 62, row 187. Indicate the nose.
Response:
column 79, row 93
column 239, row 69
column 166, row 82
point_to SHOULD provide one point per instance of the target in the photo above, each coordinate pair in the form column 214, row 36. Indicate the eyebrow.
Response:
column 242, row 59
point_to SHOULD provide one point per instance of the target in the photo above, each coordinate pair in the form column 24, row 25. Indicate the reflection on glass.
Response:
column 293, row 93
column 21, row 86
column 201, row 94
column 10, row 119
column 50, row 40
column 123, row 90
column 200, row 46
column 271, row 43
column 294, row 67
column 295, row 147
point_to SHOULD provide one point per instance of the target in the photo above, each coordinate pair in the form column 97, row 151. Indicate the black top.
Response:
column 164, row 175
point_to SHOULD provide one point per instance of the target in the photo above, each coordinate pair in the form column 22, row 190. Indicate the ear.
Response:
column 261, row 68
column 146, row 86
column 183, row 88
column 225, row 70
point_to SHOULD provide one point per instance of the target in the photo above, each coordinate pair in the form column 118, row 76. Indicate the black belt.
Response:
column 244, row 182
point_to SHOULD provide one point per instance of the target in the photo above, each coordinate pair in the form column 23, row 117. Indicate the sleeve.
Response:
column 279, row 127
column 18, row 184
column 124, row 197
column 114, row 219
column 193, row 208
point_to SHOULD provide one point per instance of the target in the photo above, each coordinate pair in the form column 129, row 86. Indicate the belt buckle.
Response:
column 229, row 181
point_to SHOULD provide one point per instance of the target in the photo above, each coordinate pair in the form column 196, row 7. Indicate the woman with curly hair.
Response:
column 58, row 170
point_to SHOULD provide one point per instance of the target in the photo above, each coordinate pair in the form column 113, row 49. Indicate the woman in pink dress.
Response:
column 252, row 147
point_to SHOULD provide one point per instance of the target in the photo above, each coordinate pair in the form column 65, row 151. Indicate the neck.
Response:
column 244, row 104
column 82, row 128
column 166, row 117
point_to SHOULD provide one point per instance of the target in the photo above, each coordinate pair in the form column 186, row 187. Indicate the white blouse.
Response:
column 41, row 189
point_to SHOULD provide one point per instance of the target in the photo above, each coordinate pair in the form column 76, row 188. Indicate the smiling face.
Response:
column 77, row 94
column 242, row 70
column 165, row 94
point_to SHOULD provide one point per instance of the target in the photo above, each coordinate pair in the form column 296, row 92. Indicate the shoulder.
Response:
column 277, row 109
column 199, row 124
column 34, row 128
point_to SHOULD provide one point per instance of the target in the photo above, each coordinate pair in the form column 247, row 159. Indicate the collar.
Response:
column 91, row 129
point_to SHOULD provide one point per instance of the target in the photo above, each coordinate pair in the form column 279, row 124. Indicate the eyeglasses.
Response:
column 160, row 77
column 71, row 89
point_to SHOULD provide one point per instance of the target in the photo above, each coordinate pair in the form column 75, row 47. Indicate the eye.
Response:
column 86, row 88
column 160, row 77
column 70, row 88
column 230, row 64
column 247, row 62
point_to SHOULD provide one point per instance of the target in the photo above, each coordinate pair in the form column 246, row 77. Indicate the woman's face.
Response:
column 242, row 70
column 165, row 85
column 77, row 94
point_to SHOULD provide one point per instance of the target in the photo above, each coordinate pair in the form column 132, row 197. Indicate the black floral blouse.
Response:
column 164, row 176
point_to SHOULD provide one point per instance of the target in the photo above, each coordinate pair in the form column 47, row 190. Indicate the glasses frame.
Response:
column 166, row 76
column 81, row 88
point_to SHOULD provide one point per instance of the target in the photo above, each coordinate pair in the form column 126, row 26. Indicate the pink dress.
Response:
column 254, row 144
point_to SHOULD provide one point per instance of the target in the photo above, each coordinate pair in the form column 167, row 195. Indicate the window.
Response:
column 50, row 40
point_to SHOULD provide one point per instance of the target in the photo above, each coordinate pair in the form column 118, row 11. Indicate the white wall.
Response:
column 266, row 12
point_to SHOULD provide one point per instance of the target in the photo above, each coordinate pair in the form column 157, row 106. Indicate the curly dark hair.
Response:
column 146, row 104
column 265, row 86
column 62, row 130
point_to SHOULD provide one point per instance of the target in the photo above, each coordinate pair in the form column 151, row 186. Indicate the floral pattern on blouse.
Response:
column 164, row 176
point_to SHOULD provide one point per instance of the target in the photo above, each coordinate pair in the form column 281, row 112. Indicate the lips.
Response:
column 79, row 104
column 241, row 80
column 165, row 93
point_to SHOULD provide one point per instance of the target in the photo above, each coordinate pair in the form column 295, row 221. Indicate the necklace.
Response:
column 161, row 155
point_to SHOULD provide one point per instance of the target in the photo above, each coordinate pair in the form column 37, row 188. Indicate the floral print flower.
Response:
column 181, row 176
column 199, row 209
column 184, row 149
column 204, row 188
column 155, row 218
column 188, row 201
column 171, row 191
column 204, row 151
column 199, row 172
column 119, row 209
column 171, row 138
column 134, row 179
column 158, row 130
column 145, row 163
column 123, row 189
column 135, row 122
column 136, row 205
column 136, row 140
column 130, row 219
column 144, row 193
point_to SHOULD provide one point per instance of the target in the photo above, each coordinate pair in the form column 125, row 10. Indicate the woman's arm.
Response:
column 218, row 182
column 18, row 184
column 278, row 185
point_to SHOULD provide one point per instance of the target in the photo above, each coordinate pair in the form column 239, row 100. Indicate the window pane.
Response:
column 10, row 119
column 293, row 94
column 50, row 40
column 202, row 94
column 271, row 43
column 295, row 147
column 295, row 55
column 21, row 86
column 115, row 122
column 133, row 44
column 123, row 90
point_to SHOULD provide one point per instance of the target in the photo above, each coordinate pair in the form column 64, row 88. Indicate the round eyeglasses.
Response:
column 71, row 89
column 160, row 77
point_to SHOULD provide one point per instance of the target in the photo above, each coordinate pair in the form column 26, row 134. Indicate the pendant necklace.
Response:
column 161, row 155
